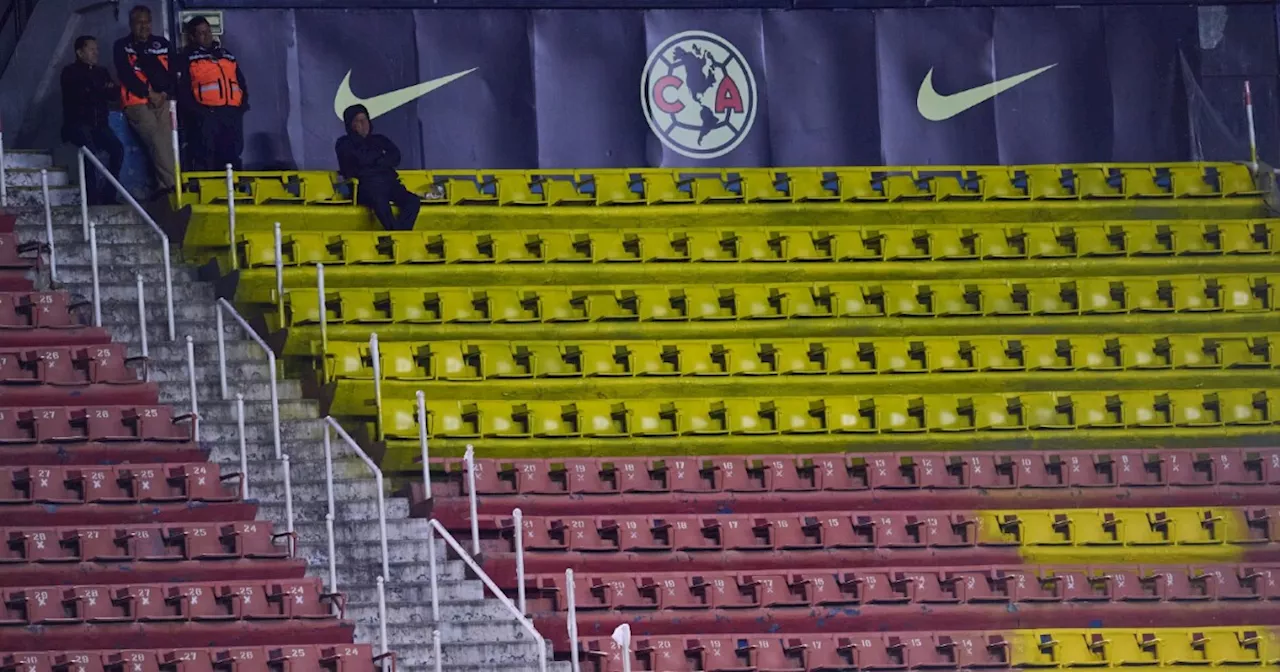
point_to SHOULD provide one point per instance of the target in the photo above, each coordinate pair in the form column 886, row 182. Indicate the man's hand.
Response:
column 157, row 99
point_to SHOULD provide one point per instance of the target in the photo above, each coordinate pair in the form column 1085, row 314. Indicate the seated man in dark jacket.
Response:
column 372, row 159
column 88, row 92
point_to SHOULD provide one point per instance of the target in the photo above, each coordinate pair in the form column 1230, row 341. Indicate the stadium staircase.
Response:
column 476, row 633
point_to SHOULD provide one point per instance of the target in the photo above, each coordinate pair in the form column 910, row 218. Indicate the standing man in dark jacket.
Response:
column 87, row 94
column 372, row 159
column 146, row 84
column 215, row 93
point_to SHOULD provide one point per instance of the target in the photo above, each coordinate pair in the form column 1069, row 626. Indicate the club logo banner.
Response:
column 556, row 89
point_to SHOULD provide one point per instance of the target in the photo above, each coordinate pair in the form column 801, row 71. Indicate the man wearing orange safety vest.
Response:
column 146, row 83
column 216, row 96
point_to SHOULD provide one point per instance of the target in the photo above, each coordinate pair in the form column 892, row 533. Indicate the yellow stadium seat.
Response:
column 751, row 245
column 1244, row 407
column 706, row 189
column 307, row 248
column 1040, row 241
column 360, row 306
column 650, row 304
column 797, row 246
column 1191, row 182
column 1190, row 410
column 1139, row 352
column 950, row 243
column 1091, row 410
column 615, row 187
column 1094, row 353
column 543, row 419
column 302, row 308
column 891, row 355
column 556, row 305
column 899, row 414
column 505, row 306
column 359, row 247
column 400, row 361
column 1041, row 353
column 693, row 358
column 703, row 303
column 1002, row 184
column 474, row 189
column 409, row 247
column 1044, row 411
column 797, row 301
column 752, row 302
column 651, row 418
column 564, row 190
column 547, row 360
column 493, row 418
column 908, row 188
column 992, row 354
column 595, row 359
column 408, row 306
column 958, row 187
column 447, row 418
column 901, row 298
column 993, row 242
column 1145, row 295
column 446, row 360
column 256, row 249
column 604, row 306
column 1046, row 183
column 560, row 247
column 848, row 246
column 1143, row 238
column 1098, row 296
column 506, row 247
column 846, row 415
column 1141, row 409
column 1093, row 240
column 1145, row 182
column 1245, row 353
column 1236, row 180
column 741, row 416
column 789, row 357
column 399, row 418
column 347, row 360
column 603, row 419
column 1046, row 297
column 665, row 187
column 999, row 298
column 654, row 246
column 858, row 184
column 842, row 357
column 795, row 415
column 651, row 359
column 1094, row 182
column 763, row 186
column 951, row 300
column 500, row 360
column 991, row 412
column 897, row 244
column 700, row 245
column 813, row 185
column 945, row 354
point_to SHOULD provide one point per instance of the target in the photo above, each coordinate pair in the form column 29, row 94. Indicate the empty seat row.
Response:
column 943, row 650
column 484, row 360
column 152, row 542
column 973, row 241
column 107, row 363
column 340, row 657
column 123, row 484
column 657, row 186
column 15, row 254
column 928, row 586
column 888, row 413
column 1121, row 529
column 49, row 310
column 92, row 423
column 863, row 472
column 202, row 601
column 960, row 298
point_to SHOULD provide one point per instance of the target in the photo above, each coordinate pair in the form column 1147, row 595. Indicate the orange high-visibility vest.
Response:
column 213, row 80
column 126, row 97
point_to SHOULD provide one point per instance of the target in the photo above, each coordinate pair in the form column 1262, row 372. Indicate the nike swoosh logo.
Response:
column 382, row 104
column 937, row 107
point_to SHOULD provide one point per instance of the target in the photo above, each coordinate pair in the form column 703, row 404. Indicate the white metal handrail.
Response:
column 164, row 238
column 422, row 440
column 231, row 216
column 375, row 356
column 244, row 453
column 93, row 267
column 191, row 381
column 142, row 326
column 437, row 528
column 469, row 459
column 382, row 518
column 572, row 598
column 48, row 225
column 223, row 304
column 279, row 251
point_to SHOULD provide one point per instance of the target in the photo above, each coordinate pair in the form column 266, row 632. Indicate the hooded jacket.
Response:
column 372, row 158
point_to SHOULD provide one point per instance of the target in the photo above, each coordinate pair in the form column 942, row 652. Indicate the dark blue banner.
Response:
column 621, row 88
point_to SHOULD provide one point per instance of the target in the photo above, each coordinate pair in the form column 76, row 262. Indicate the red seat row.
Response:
column 293, row 658
column 214, row 601
column 876, row 471
column 800, row 653
column 121, row 484
column 155, row 542
column 49, row 310
column 70, row 425
column 936, row 587
column 107, row 363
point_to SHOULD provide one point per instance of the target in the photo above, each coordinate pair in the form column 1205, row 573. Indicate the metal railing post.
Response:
column 222, row 351
column 435, row 578
column 271, row 362
column 376, row 356
column 177, row 156
column 84, row 196
column 435, row 649
column 422, row 440
column 517, row 520
column 191, row 378
column 288, row 491
column 142, row 320
column 48, row 226
column 279, row 245
column 572, row 599
column 138, row 209
column 244, row 457
column 231, row 216
column 333, row 560
column 93, row 267
column 324, row 315
column 382, row 612
column 469, row 459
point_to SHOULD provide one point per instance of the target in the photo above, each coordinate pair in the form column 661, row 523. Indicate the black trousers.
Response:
column 220, row 139
column 379, row 196
column 99, row 140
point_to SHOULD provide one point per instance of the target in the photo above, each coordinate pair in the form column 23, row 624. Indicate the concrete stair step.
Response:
column 303, row 466
column 457, row 656
column 27, row 158
column 127, row 291
column 238, row 372
column 116, row 311
column 455, row 593
column 450, row 631
column 152, row 274
column 359, row 531
column 371, row 554
column 113, row 253
column 179, row 392
column 242, row 351
column 32, row 197
column 360, row 576
column 30, row 177
column 315, row 512
column 213, row 432
column 70, row 234
column 225, row 412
